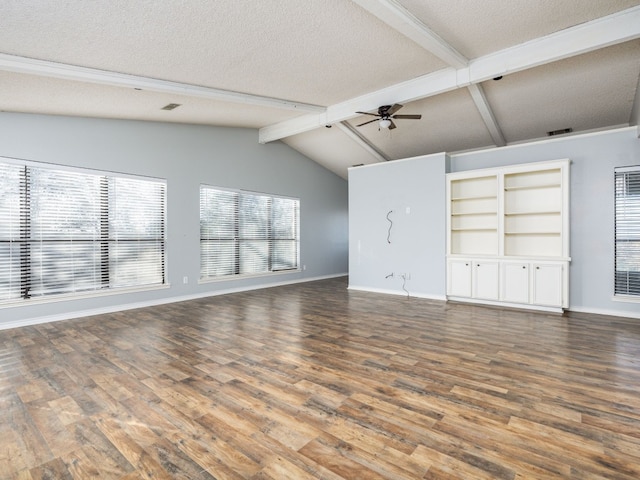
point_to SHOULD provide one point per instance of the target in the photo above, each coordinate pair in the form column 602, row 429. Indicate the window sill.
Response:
column 230, row 278
column 626, row 298
column 80, row 296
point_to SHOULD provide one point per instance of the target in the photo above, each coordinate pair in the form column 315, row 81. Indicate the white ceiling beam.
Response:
column 439, row 82
column 634, row 119
column 482, row 104
column 400, row 19
column 17, row 64
column 606, row 31
column 587, row 37
column 352, row 133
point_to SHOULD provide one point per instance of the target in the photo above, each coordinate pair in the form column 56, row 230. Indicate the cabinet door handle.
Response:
column 524, row 266
column 537, row 268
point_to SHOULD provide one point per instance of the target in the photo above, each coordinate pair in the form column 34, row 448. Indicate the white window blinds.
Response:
column 137, row 232
column 627, row 231
column 243, row 233
column 63, row 232
column 11, row 197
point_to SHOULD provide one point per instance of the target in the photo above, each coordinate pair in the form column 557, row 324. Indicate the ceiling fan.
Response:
column 386, row 115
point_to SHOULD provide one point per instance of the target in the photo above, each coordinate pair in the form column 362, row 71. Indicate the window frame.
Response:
column 629, row 207
column 100, row 285
column 238, row 240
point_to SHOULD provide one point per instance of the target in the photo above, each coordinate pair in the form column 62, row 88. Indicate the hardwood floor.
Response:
column 313, row 381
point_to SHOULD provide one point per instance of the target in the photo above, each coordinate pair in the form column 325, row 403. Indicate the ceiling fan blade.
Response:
column 393, row 109
column 392, row 126
column 408, row 117
column 367, row 113
column 370, row 121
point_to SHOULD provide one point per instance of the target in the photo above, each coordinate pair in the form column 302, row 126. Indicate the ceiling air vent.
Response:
column 562, row 131
column 171, row 106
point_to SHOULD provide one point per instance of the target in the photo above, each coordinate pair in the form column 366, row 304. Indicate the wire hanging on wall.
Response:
column 390, row 225
column 404, row 282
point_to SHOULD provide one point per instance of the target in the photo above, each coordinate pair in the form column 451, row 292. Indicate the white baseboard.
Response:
column 398, row 292
column 602, row 311
column 151, row 303
column 182, row 298
column 496, row 303
column 595, row 311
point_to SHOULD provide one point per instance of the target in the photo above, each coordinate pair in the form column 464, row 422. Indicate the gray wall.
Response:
column 186, row 156
column 593, row 158
column 417, row 235
column 420, row 247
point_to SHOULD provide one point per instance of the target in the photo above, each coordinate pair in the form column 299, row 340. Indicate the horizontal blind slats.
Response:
column 627, row 231
column 239, row 233
column 65, row 231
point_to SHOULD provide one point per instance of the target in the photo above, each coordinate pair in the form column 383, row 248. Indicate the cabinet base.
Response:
column 525, row 306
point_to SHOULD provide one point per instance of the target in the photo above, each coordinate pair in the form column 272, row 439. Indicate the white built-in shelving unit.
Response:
column 508, row 235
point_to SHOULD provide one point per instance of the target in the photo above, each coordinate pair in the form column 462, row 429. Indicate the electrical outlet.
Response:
column 185, row 280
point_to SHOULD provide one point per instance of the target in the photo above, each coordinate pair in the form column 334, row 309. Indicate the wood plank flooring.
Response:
column 313, row 381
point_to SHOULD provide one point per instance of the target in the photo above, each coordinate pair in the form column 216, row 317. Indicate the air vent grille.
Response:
column 562, row 131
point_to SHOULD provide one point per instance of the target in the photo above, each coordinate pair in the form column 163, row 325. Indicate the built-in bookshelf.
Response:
column 533, row 213
column 474, row 215
column 504, row 215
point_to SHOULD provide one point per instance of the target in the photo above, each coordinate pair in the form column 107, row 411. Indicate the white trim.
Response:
column 151, row 303
column 83, row 170
column 625, row 299
column 409, row 159
column 541, row 141
column 401, row 293
column 629, row 168
column 519, row 306
column 508, row 169
column 70, row 297
column 244, row 190
column 244, row 276
column 18, row 64
column 604, row 311
column 443, row 298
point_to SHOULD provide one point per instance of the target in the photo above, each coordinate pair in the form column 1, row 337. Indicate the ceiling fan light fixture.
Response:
column 384, row 123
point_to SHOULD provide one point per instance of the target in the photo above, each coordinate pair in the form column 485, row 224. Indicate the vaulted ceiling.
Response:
column 481, row 73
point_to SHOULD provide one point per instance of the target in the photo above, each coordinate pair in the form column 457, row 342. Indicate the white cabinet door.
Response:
column 459, row 278
column 515, row 282
column 547, row 285
column 485, row 280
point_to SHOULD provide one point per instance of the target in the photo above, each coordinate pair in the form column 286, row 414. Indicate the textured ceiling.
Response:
column 278, row 48
column 115, row 59
column 477, row 28
column 593, row 90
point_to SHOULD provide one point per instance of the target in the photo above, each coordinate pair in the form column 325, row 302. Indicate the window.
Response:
column 65, row 232
column 244, row 233
column 627, row 231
